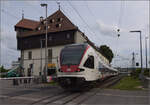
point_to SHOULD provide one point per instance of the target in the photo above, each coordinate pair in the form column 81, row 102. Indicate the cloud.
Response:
column 9, row 39
column 107, row 30
column 9, row 51
column 33, row 2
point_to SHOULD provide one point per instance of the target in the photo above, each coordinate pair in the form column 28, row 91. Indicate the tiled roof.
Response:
column 27, row 23
column 56, row 22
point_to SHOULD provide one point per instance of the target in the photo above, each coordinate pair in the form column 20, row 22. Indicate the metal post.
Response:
column 141, row 74
column 45, row 71
column 141, row 55
column 41, row 59
column 146, row 50
column 46, row 48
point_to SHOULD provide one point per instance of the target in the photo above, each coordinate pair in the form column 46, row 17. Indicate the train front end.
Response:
column 71, row 74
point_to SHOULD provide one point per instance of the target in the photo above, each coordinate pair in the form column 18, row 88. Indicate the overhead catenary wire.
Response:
column 6, row 56
column 69, row 16
column 91, row 31
column 8, row 13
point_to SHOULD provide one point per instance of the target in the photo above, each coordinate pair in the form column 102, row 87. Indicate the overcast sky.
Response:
column 99, row 20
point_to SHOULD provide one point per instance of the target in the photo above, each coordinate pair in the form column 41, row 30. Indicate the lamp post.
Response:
column 41, row 42
column 45, row 72
column 141, row 74
column 146, row 50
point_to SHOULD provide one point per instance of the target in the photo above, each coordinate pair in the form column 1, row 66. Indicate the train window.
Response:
column 89, row 62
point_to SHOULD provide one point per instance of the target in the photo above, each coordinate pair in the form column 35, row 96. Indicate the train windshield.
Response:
column 72, row 55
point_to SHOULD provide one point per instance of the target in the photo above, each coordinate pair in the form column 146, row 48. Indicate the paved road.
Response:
column 54, row 95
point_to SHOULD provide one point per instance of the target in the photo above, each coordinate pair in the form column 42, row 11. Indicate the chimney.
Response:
column 41, row 18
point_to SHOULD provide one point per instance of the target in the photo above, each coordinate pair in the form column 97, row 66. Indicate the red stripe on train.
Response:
column 71, row 68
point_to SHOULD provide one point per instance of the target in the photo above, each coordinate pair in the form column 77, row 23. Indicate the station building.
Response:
column 31, row 41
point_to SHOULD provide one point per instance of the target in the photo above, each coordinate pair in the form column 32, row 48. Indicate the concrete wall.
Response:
column 79, row 38
column 36, row 59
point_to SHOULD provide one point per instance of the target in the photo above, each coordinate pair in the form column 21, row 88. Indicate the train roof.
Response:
column 111, row 68
column 83, row 45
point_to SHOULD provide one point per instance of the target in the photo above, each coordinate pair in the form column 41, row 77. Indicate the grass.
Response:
column 128, row 83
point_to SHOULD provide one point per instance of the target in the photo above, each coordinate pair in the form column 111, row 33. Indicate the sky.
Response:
column 99, row 20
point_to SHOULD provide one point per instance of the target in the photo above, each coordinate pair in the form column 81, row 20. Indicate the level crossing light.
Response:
column 46, row 60
column 139, row 31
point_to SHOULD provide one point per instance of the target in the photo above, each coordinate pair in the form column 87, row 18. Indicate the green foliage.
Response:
column 2, row 69
column 128, row 83
column 147, row 72
column 137, row 72
column 107, row 52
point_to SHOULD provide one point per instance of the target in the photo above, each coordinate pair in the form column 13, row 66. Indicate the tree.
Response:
column 106, row 52
column 2, row 69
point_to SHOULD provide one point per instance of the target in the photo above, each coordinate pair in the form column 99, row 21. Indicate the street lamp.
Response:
column 146, row 50
column 46, row 62
column 141, row 75
column 41, row 42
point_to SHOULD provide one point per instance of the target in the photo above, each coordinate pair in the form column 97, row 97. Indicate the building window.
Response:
column 45, row 22
column 58, row 25
column 59, row 19
column 48, row 27
column 29, row 55
column 89, row 63
column 39, row 28
column 50, row 38
column 50, row 55
column 52, row 20
column 44, row 27
column 68, row 36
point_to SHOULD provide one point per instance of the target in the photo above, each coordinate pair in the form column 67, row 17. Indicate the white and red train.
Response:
column 80, row 64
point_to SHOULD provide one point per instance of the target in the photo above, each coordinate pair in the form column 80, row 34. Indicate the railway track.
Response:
column 64, row 97
column 109, row 82
column 76, row 98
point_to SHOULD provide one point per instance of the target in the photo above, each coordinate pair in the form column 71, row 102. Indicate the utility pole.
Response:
column 133, row 60
column 141, row 74
column 46, row 60
column 0, row 39
column 0, row 46
column 146, row 50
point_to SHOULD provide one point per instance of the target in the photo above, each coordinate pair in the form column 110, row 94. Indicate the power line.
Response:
column 122, row 5
column 6, row 12
column 69, row 16
column 83, row 20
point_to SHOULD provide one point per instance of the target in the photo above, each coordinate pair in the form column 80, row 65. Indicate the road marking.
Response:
column 123, row 95
column 25, row 98
column 68, row 98
column 3, row 96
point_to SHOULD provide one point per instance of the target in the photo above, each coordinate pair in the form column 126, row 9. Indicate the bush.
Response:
column 2, row 70
column 137, row 72
column 146, row 72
